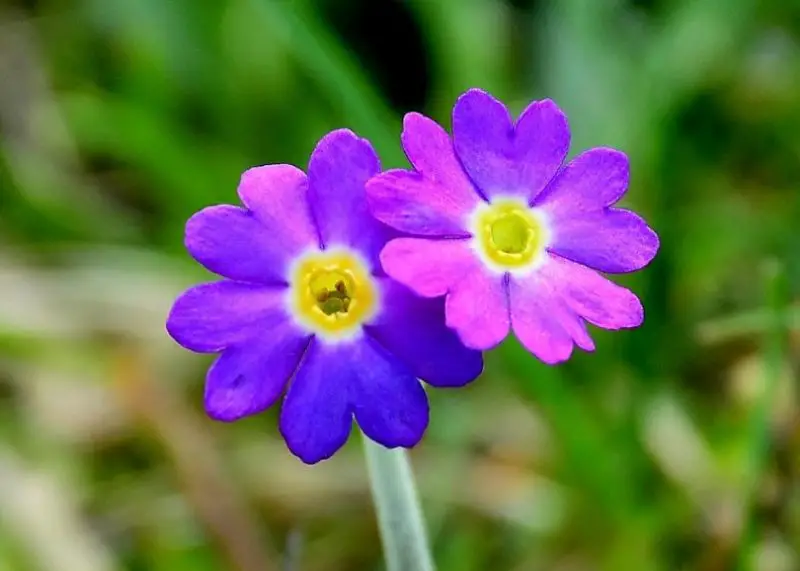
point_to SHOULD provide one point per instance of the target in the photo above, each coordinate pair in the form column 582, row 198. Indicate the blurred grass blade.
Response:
column 44, row 515
column 759, row 443
column 590, row 457
column 338, row 74
column 748, row 323
column 405, row 544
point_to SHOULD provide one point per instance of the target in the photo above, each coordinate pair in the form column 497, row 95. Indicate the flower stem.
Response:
column 402, row 529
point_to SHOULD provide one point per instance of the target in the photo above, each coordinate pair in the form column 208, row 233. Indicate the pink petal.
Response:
column 411, row 203
column 542, row 322
column 548, row 308
column 430, row 150
column 477, row 308
column 429, row 267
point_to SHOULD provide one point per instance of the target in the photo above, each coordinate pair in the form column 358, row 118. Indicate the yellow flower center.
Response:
column 509, row 233
column 333, row 294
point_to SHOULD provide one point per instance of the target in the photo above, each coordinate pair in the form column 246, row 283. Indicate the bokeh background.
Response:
column 672, row 447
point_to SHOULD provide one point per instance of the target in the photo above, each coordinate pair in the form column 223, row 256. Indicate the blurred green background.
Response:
column 675, row 446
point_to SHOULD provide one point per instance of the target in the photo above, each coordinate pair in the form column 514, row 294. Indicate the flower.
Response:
column 306, row 306
column 512, row 237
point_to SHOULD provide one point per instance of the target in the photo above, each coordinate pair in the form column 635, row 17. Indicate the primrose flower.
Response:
column 306, row 308
column 512, row 237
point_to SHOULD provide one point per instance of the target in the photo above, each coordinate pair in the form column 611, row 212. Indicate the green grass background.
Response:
column 675, row 446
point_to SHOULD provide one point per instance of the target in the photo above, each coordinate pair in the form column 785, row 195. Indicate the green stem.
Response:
column 402, row 529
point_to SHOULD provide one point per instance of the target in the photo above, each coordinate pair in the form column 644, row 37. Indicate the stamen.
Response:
column 332, row 292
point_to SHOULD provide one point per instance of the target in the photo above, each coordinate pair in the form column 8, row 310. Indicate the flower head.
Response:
column 305, row 308
column 509, row 234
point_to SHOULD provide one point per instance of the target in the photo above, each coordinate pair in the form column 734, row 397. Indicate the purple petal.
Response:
column 429, row 267
column 502, row 158
column 591, row 181
column 339, row 168
column 542, row 138
column 548, row 308
column 477, row 308
column 247, row 379
column 337, row 381
column 413, row 329
column 613, row 240
column 209, row 317
column 389, row 402
column 585, row 229
column 316, row 416
column 593, row 297
column 232, row 242
column 411, row 203
column 278, row 196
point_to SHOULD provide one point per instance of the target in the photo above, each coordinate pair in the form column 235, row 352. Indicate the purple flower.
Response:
column 306, row 306
column 512, row 237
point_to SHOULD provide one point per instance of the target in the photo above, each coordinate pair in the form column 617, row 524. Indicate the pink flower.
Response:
column 514, row 238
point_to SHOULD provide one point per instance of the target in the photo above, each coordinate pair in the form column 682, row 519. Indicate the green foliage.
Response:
column 673, row 446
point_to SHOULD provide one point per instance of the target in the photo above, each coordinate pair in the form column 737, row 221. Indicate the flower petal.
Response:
column 336, row 381
column 278, row 196
column 413, row 329
column 585, row 228
column 230, row 241
column 539, row 326
column 429, row 267
column 549, row 306
column 316, row 416
column 613, row 240
column 502, row 158
column 247, row 379
column 542, row 321
column 339, row 168
column 437, row 198
column 389, row 402
column 591, row 181
column 429, row 149
column 411, row 203
column 591, row 296
column 210, row 317
column 477, row 308
column 542, row 138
